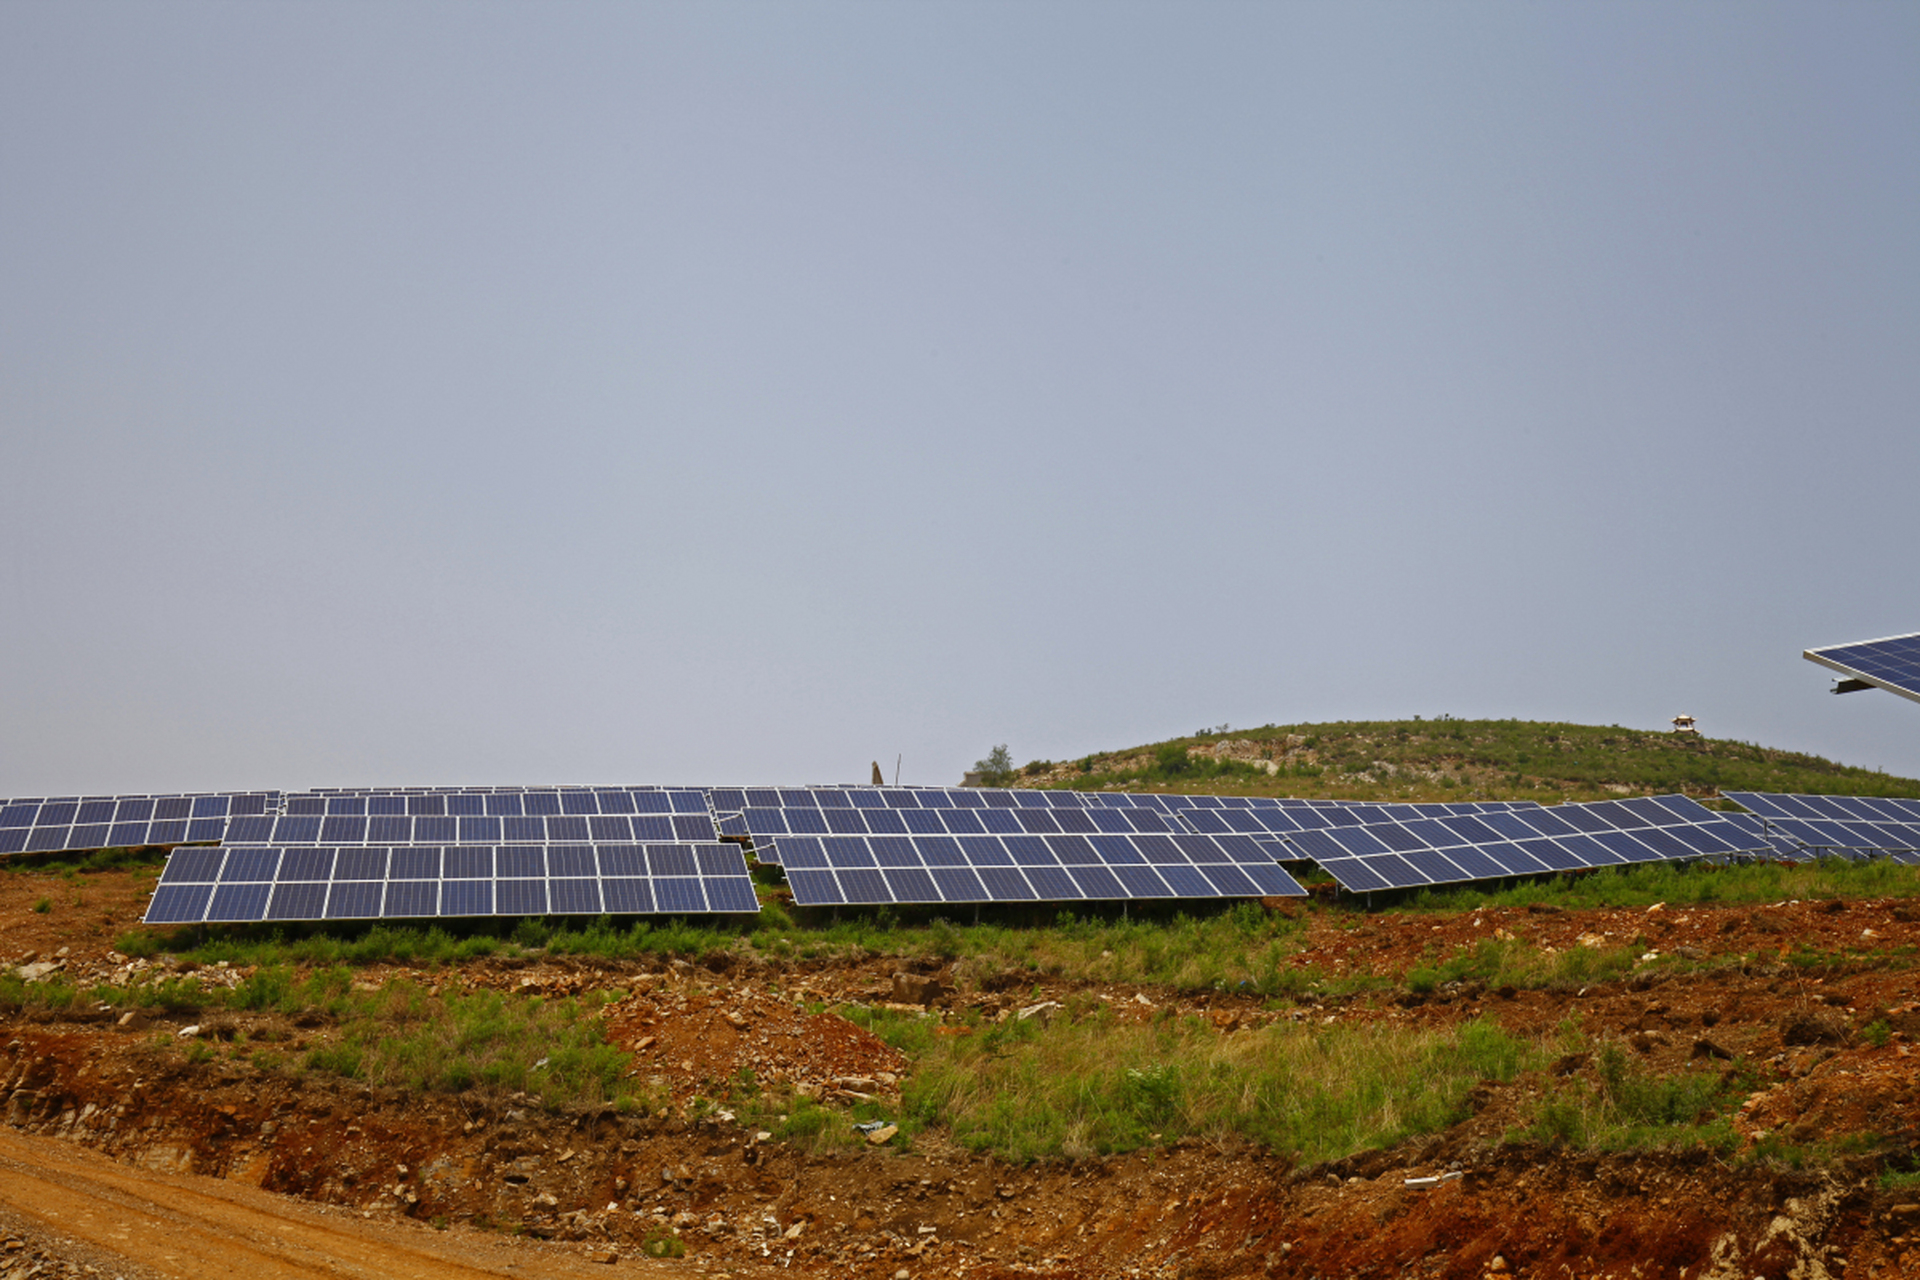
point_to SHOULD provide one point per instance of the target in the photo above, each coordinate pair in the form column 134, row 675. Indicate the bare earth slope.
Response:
column 119, row 1151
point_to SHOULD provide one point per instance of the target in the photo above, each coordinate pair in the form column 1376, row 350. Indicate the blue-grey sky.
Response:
column 479, row 393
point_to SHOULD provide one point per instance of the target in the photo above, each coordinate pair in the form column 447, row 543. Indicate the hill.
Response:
column 1449, row 759
column 1661, row 1070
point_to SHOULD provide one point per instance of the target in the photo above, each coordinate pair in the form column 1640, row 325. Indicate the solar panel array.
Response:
column 960, row 845
column 1804, row 826
column 1414, row 852
column 1891, row 663
column 356, row 853
column 532, row 815
column 57, row 823
column 238, row 883
column 420, row 852
column 769, row 815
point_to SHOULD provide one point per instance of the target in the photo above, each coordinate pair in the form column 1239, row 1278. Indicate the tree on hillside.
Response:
column 997, row 769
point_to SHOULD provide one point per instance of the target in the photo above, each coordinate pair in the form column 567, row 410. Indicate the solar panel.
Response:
column 1891, row 663
column 1810, row 826
column 980, row 867
column 270, row 882
column 1412, row 851
column 74, row 824
column 417, row 852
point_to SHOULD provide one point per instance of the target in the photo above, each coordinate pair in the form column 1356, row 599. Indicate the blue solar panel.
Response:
column 354, row 899
column 1891, row 663
column 466, row 898
column 862, row 884
column 243, row 863
column 731, row 894
column 1097, row 882
column 179, row 903
column 1508, row 842
column 297, row 901
column 1354, row 874
column 628, row 895
column 412, row 898
column 306, row 864
column 813, row 886
column 236, row 902
column 520, row 897
column 957, row 884
column 679, row 895
column 192, row 865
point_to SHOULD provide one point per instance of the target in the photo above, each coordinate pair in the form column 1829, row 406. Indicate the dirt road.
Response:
column 158, row 1224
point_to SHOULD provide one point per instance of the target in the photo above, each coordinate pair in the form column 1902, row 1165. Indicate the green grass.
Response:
column 1680, row 885
column 1239, row 945
column 1626, row 1107
column 398, row 1034
column 1091, row 1084
column 68, row 864
column 1499, row 963
column 1451, row 759
column 402, row 1037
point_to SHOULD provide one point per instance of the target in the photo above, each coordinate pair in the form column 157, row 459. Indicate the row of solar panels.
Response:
column 87, row 811
column 738, row 799
column 1363, row 847
column 830, row 870
column 393, row 816
column 1422, row 852
column 346, row 829
column 404, row 829
column 934, row 845
column 770, row 826
column 241, row 883
column 962, row 813
column 1846, row 826
column 504, row 803
column 105, row 822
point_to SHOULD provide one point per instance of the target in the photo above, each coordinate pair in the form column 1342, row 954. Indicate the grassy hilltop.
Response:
column 1449, row 759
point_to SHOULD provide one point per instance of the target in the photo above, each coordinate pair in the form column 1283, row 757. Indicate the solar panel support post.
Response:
column 1850, row 686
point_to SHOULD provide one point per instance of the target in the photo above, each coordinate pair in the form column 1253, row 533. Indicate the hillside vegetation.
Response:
column 1449, row 759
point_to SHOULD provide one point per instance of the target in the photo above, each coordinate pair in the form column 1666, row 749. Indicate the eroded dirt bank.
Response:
column 592, row 1188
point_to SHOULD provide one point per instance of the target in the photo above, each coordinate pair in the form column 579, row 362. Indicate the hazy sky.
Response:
column 467, row 393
